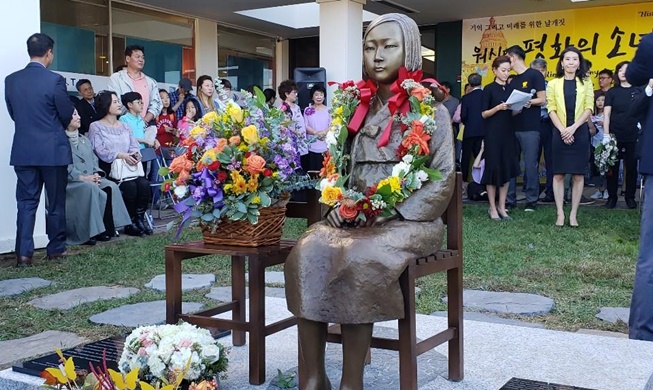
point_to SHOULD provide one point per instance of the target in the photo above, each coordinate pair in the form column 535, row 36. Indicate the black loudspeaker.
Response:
column 306, row 78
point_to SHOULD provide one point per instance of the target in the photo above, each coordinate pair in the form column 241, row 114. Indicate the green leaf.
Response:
column 164, row 171
column 207, row 217
column 217, row 213
column 265, row 199
column 434, row 174
column 419, row 161
column 238, row 216
column 241, row 207
column 385, row 191
column 414, row 104
column 252, row 218
column 260, row 97
column 342, row 136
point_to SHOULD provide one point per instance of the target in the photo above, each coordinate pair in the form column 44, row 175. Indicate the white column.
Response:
column 15, row 27
column 281, row 62
column 206, row 48
column 341, row 37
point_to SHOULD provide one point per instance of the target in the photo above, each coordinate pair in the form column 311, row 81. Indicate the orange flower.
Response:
column 235, row 140
column 348, row 209
column 182, row 178
column 420, row 92
column 328, row 166
column 333, row 177
column 222, row 142
column 418, row 137
column 255, row 164
column 181, row 163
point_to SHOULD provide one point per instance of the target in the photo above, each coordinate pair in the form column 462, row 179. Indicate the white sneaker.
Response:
column 597, row 195
column 605, row 194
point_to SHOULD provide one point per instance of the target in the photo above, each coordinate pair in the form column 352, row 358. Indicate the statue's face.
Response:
column 383, row 52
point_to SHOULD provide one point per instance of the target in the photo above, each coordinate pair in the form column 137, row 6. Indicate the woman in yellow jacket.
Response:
column 570, row 101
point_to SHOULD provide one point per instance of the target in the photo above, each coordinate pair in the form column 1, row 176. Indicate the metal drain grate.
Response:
column 526, row 384
column 82, row 355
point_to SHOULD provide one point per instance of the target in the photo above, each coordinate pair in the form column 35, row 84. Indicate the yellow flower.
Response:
column 243, row 148
column 250, row 134
column 240, row 186
column 252, row 184
column 256, row 200
column 331, row 195
column 337, row 121
column 393, row 182
column 338, row 111
column 197, row 131
column 426, row 109
column 209, row 156
column 235, row 112
column 227, row 187
column 210, row 117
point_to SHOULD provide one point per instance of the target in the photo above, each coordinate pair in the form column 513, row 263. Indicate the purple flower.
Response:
column 310, row 110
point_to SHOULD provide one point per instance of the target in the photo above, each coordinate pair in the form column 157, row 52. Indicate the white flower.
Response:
column 421, row 176
column 330, row 138
column 424, row 118
column 401, row 169
column 180, row 191
column 407, row 158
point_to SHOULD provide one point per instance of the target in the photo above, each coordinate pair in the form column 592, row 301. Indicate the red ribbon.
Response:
column 399, row 101
column 367, row 90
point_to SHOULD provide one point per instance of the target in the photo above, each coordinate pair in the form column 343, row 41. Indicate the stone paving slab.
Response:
column 69, row 299
column 12, row 287
column 272, row 277
column 188, row 282
column 614, row 314
column 506, row 302
column 140, row 314
column 223, row 293
column 483, row 317
column 35, row 345
column 602, row 333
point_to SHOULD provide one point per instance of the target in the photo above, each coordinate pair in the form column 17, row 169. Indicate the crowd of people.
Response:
column 564, row 121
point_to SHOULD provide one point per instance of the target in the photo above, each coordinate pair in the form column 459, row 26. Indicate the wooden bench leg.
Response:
column 173, row 287
column 407, row 333
column 238, row 294
column 256, row 321
column 455, row 321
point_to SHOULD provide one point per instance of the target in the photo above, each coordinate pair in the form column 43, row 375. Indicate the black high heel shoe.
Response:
column 495, row 219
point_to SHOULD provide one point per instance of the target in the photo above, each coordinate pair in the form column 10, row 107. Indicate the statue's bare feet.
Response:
column 318, row 383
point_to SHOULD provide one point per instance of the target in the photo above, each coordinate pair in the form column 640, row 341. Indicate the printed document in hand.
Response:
column 518, row 99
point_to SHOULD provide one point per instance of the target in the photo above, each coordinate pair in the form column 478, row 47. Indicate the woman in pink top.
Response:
column 318, row 120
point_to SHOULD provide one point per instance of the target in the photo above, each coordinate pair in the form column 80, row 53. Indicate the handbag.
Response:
column 121, row 171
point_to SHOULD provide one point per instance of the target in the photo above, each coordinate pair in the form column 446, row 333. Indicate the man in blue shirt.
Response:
column 178, row 97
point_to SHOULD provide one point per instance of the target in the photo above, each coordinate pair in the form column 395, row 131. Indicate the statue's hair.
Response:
column 411, row 36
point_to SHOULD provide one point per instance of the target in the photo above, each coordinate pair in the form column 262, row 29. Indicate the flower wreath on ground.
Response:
column 605, row 154
column 412, row 106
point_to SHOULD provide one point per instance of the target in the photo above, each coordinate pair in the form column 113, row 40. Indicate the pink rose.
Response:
column 185, row 343
column 142, row 352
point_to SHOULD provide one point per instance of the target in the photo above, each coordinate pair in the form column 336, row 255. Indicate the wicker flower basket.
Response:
column 242, row 233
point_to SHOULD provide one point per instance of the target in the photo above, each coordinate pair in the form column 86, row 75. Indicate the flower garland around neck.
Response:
column 412, row 105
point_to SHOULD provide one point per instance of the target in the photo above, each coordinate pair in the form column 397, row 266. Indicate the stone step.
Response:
column 11, row 287
column 69, row 299
column 506, row 302
column 188, row 282
column 140, row 314
column 35, row 345
column 485, row 317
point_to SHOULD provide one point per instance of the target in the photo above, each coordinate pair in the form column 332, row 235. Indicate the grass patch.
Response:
column 581, row 269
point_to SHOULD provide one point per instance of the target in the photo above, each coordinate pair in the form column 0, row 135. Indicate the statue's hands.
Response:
column 378, row 221
column 334, row 219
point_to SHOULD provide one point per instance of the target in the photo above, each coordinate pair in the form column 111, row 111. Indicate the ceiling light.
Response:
column 295, row 16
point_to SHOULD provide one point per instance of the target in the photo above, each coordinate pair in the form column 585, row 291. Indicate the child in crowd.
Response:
column 166, row 123
column 596, row 124
column 133, row 102
column 192, row 114
column 475, row 190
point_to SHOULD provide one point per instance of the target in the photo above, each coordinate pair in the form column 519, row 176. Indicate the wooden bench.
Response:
column 450, row 260
column 257, row 260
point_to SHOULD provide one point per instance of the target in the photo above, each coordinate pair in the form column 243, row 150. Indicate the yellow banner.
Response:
column 605, row 36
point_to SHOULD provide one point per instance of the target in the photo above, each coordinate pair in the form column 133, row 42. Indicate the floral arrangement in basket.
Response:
column 154, row 358
column 162, row 353
column 413, row 107
column 605, row 154
column 237, row 161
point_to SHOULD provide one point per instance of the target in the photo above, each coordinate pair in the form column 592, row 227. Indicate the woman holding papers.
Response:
column 501, row 163
column 570, row 101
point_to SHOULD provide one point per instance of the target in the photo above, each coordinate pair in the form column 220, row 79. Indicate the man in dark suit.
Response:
column 640, row 72
column 470, row 116
column 86, row 105
column 38, row 103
